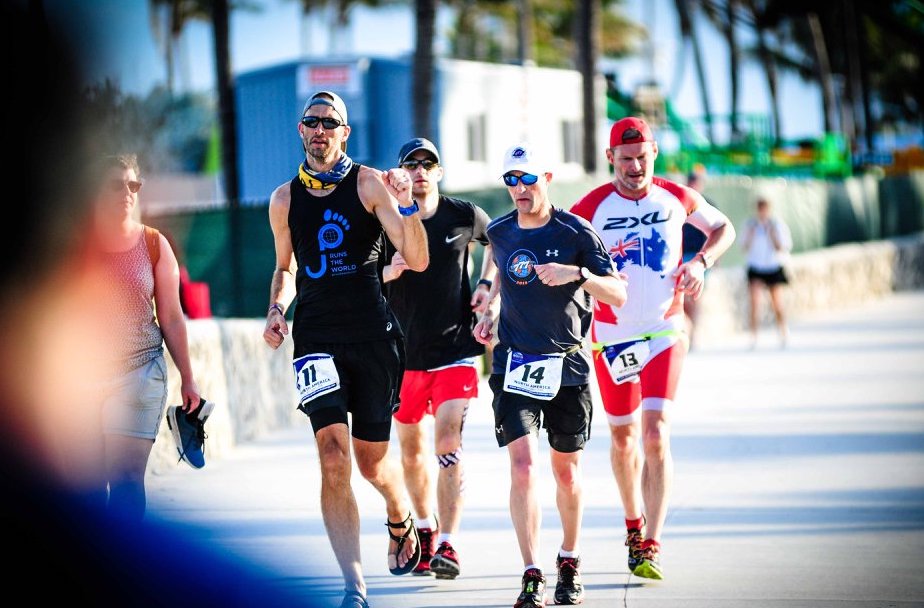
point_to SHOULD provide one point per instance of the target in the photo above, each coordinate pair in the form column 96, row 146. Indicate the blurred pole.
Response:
column 423, row 70
column 588, row 49
column 526, row 53
column 223, row 78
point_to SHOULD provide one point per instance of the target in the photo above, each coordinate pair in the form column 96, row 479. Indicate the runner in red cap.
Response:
column 639, row 348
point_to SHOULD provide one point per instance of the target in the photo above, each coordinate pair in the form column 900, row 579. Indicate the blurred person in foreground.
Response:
column 51, row 318
column 437, row 311
column 143, row 279
column 327, row 223
column 767, row 242
column 550, row 262
column 639, row 349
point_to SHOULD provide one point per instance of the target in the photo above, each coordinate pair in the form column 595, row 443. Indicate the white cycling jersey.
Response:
column 644, row 238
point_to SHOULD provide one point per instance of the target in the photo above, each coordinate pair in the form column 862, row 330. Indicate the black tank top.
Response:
column 337, row 245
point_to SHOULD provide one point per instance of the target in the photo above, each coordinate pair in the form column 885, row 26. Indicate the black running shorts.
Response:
column 370, row 380
column 773, row 277
column 566, row 417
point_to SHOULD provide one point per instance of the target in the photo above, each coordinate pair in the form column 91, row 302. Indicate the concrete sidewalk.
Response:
column 799, row 481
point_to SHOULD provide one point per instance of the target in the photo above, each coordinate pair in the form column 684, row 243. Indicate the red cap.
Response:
column 630, row 130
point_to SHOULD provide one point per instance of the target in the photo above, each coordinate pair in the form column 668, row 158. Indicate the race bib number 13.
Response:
column 315, row 375
column 626, row 359
column 537, row 376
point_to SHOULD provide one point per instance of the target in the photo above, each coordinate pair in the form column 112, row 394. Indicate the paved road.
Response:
column 799, row 482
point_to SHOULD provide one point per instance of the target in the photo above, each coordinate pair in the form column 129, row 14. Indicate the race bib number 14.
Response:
column 537, row 376
column 315, row 375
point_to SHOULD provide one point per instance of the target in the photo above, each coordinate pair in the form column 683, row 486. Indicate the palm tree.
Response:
column 422, row 83
column 691, row 39
column 587, row 35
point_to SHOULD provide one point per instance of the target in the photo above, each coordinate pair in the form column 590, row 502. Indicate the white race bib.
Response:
column 537, row 376
column 626, row 359
column 315, row 375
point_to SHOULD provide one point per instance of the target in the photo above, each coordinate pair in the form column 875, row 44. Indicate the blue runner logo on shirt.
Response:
column 330, row 237
column 520, row 266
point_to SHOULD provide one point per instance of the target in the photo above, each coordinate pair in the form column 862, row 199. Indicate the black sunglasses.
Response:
column 426, row 163
column 329, row 123
column 528, row 179
column 116, row 185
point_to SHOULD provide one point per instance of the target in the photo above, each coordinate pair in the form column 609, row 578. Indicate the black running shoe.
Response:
column 189, row 431
column 569, row 589
column 533, row 594
column 634, row 538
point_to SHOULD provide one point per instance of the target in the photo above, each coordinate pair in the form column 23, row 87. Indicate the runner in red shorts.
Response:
column 639, row 348
column 436, row 309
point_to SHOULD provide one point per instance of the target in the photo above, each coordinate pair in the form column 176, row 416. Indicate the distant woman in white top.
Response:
column 767, row 241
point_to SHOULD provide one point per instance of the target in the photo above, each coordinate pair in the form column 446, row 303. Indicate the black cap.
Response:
column 418, row 143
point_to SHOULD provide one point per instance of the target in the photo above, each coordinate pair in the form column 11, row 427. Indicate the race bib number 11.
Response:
column 315, row 375
column 537, row 376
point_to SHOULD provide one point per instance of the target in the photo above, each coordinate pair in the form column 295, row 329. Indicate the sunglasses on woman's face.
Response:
column 528, row 179
column 312, row 122
column 116, row 185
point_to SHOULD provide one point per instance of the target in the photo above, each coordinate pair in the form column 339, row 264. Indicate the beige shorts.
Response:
column 134, row 402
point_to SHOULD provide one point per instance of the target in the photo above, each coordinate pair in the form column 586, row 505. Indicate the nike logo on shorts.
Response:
column 449, row 240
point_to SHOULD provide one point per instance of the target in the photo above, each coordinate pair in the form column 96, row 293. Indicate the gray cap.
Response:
column 418, row 143
column 327, row 98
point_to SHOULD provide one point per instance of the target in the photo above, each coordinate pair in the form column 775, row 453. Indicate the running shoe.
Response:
column 445, row 564
column 533, row 594
column 634, row 538
column 427, row 538
column 569, row 589
column 188, row 430
column 649, row 565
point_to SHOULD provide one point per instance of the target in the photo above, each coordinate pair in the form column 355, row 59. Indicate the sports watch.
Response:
column 585, row 274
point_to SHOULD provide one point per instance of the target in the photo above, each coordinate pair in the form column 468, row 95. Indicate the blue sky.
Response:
column 123, row 47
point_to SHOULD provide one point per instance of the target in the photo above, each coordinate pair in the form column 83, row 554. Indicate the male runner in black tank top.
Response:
column 436, row 309
column 328, row 226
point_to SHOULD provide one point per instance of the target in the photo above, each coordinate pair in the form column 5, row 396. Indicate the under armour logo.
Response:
column 551, row 252
column 499, row 429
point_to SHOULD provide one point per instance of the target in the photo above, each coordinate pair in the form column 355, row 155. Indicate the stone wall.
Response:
column 823, row 279
column 253, row 386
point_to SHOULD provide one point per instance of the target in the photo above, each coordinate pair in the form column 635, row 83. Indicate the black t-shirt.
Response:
column 337, row 246
column 535, row 318
column 434, row 306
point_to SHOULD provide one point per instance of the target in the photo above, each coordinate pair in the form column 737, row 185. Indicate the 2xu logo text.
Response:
column 616, row 223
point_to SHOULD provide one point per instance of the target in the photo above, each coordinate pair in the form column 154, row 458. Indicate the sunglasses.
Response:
column 528, row 179
column 329, row 123
column 116, row 185
column 427, row 164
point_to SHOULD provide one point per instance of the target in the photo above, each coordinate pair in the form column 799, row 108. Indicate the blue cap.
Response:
column 418, row 143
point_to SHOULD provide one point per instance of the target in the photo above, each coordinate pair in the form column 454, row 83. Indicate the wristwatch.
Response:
column 406, row 211
column 585, row 274
column 708, row 261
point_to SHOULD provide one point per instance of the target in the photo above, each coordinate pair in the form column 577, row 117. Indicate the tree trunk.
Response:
column 854, row 78
column 588, row 49
column 422, row 85
column 222, row 36
column 822, row 69
column 526, row 43
column 688, row 31
column 770, row 71
column 733, row 55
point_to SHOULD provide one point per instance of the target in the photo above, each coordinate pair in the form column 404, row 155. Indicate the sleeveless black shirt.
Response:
column 337, row 246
